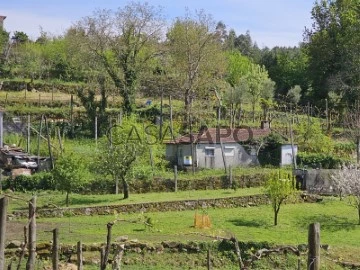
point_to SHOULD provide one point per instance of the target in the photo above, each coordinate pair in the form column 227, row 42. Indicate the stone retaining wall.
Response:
column 68, row 251
column 229, row 202
column 168, row 185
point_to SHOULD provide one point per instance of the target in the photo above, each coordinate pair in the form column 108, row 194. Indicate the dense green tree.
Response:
column 48, row 58
column 122, row 42
column 95, row 107
column 229, row 43
column 4, row 46
column 247, row 46
column 287, row 67
column 117, row 155
column 310, row 137
column 238, row 67
column 27, row 61
column 333, row 48
column 69, row 174
column 20, row 37
column 259, row 85
column 244, row 44
column 196, row 55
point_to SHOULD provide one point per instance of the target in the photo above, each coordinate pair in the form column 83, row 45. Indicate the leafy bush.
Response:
column 325, row 161
column 310, row 138
column 44, row 180
column 38, row 181
column 24, row 183
column 344, row 148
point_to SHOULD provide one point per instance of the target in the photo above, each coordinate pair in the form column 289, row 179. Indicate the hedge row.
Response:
column 44, row 181
column 324, row 161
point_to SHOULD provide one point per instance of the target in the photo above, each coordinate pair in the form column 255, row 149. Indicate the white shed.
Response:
column 287, row 154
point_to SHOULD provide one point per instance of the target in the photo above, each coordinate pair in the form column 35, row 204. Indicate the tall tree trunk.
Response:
column 358, row 149
column 187, row 103
column 67, row 199
column 240, row 114
column 116, row 184
column 105, row 258
column 275, row 217
column 125, row 188
column 276, row 212
column 3, row 211
column 187, row 99
column 30, row 264
column 127, row 104
column 253, row 111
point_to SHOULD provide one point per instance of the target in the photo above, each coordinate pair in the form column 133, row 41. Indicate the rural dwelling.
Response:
column 215, row 148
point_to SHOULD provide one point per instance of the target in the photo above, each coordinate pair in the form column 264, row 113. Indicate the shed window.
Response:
column 229, row 151
column 210, row 152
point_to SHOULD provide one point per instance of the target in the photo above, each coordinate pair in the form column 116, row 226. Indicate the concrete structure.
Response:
column 210, row 147
column 2, row 18
column 315, row 180
column 287, row 154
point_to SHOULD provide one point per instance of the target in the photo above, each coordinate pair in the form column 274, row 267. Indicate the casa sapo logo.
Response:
column 151, row 135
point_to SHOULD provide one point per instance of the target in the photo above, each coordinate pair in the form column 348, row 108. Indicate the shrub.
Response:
column 270, row 153
column 345, row 148
column 25, row 183
column 42, row 180
column 325, row 161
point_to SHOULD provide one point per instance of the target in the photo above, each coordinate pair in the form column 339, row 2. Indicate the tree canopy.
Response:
column 333, row 47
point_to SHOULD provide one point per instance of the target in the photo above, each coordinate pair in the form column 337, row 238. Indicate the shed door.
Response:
column 229, row 153
column 209, row 157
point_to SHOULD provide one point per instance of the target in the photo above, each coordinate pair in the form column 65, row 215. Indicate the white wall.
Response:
column 286, row 154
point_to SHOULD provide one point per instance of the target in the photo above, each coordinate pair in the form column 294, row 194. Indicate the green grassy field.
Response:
column 338, row 221
column 338, row 225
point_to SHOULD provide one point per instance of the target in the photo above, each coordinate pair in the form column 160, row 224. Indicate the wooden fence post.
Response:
column 102, row 256
column 238, row 252
column 314, row 247
column 79, row 256
column 24, row 244
column 96, row 130
column 105, row 251
column 49, row 143
column 30, row 264
column 60, row 141
column 230, row 177
column 39, row 141
column 208, row 260
column 175, row 178
column 1, row 171
column 55, row 249
column 3, row 211
column 28, row 134
column 72, row 115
